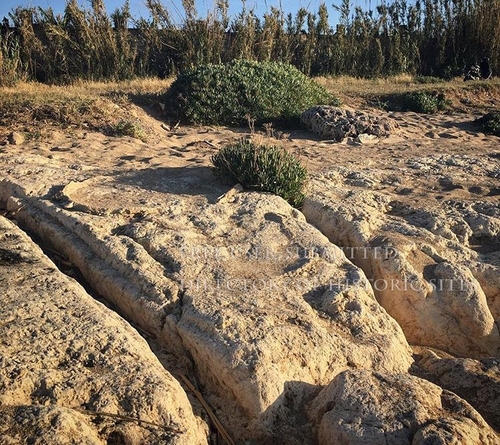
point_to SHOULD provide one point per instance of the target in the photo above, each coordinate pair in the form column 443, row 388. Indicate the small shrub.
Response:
column 428, row 79
column 228, row 94
column 426, row 102
column 490, row 123
column 266, row 168
column 377, row 102
column 126, row 127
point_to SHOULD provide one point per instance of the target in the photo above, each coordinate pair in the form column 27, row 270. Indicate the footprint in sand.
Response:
column 176, row 153
column 62, row 149
column 476, row 190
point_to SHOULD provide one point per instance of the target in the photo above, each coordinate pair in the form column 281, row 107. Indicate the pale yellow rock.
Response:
column 63, row 352
column 137, row 212
column 16, row 138
column 367, row 139
column 38, row 424
column 248, row 293
column 245, row 286
column 477, row 381
column 440, row 291
column 365, row 408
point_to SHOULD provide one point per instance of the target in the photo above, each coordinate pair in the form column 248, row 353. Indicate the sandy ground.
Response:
column 430, row 158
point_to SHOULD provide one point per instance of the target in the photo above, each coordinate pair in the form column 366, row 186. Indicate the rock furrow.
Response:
column 441, row 292
column 66, row 360
column 272, row 270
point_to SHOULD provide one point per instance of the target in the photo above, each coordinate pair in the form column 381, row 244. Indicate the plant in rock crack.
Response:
column 267, row 168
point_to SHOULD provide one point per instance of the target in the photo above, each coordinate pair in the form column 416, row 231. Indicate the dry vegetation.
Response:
column 429, row 37
column 372, row 58
column 463, row 96
column 120, row 108
column 36, row 109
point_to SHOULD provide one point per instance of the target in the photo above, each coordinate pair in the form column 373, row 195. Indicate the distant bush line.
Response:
column 439, row 38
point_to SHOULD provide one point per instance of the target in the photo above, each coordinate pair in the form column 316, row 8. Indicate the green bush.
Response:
column 428, row 79
column 128, row 128
column 490, row 123
column 229, row 94
column 426, row 102
column 266, row 168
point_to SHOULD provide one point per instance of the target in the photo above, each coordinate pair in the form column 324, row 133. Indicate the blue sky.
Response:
column 175, row 6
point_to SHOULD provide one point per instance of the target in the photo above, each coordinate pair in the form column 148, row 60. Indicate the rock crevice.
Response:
column 439, row 290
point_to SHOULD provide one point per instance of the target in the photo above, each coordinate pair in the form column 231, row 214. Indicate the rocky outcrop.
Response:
column 336, row 123
column 307, row 320
column 361, row 408
column 420, row 263
column 256, row 311
column 71, row 370
column 243, row 284
column 242, row 289
column 477, row 381
column 16, row 138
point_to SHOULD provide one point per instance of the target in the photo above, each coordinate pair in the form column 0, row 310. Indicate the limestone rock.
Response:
column 38, row 425
column 267, row 308
column 244, row 293
column 335, row 123
column 477, row 381
column 364, row 138
column 243, row 285
column 266, row 300
column 16, row 138
column 365, row 408
column 65, row 358
column 442, row 293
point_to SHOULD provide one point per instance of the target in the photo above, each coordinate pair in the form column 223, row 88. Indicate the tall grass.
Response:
column 11, row 69
column 428, row 37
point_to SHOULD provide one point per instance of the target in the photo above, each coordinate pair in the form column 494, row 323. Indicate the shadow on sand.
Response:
column 193, row 181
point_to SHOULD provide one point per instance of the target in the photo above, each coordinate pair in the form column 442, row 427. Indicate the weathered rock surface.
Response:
column 262, row 307
column 16, row 138
column 243, row 285
column 336, row 123
column 71, row 370
column 477, row 381
column 39, row 424
column 423, row 263
column 365, row 408
column 307, row 321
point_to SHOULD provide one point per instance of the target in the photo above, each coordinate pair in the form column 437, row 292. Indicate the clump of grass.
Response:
column 267, row 168
column 490, row 123
column 425, row 102
column 428, row 79
column 226, row 94
column 127, row 127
